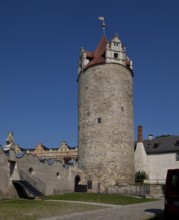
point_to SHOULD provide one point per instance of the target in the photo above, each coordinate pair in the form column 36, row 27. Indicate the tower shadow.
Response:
column 159, row 214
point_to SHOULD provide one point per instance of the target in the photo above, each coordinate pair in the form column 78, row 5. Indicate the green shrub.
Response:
column 141, row 175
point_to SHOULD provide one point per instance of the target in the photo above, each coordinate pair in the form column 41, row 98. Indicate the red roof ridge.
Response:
column 101, row 47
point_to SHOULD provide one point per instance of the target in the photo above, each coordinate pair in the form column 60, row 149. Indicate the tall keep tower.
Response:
column 105, row 115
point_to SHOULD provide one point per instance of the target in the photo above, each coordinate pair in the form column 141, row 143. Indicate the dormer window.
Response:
column 177, row 143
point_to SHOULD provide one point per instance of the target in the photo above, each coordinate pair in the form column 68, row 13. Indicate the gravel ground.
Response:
column 117, row 212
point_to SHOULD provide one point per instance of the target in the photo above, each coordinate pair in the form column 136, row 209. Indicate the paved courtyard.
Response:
column 117, row 212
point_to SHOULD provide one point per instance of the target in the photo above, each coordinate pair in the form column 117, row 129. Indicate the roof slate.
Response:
column 162, row 145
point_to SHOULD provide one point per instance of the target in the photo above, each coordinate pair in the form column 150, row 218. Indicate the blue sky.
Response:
column 40, row 43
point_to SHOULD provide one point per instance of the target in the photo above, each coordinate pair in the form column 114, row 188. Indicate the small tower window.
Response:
column 99, row 120
column 115, row 55
column 89, row 184
column 58, row 175
column 30, row 170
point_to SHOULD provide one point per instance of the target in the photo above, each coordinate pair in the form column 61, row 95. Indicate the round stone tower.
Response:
column 105, row 115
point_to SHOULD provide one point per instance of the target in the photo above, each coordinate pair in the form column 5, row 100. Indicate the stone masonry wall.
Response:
column 50, row 178
column 56, row 177
column 7, row 189
column 106, row 139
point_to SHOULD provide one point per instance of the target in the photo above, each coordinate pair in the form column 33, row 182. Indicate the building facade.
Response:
column 63, row 153
column 156, row 155
column 49, row 176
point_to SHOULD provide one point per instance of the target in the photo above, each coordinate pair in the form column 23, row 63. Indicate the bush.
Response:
column 140, row 176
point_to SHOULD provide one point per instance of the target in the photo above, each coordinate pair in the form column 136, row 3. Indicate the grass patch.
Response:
column 22, row 209
column 33, row 209
column 100, row 198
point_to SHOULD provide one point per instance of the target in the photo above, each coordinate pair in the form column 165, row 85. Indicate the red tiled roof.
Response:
column 89, row 54
column 97, row 56
column 100, row 50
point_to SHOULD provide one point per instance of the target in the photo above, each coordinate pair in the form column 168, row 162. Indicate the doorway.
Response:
column 77, row 181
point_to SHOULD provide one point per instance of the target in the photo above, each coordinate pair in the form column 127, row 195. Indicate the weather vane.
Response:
column 103, row 23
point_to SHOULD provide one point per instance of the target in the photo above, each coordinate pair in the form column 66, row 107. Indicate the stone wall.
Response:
column 7, row 189
column 50, row 177
column 106, row 139
column 56, row 177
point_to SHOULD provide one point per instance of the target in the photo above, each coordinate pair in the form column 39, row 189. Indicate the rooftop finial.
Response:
column 103, row 23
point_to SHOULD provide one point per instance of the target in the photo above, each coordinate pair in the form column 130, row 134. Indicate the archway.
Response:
column 77, row 181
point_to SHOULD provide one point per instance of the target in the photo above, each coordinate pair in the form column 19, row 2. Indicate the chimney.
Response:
column 139, row 135
column 150, row 137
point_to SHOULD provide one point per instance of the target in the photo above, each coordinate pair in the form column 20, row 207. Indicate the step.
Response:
column 31, row 189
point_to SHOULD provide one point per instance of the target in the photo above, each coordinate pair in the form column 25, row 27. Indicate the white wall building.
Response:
column 156, row 155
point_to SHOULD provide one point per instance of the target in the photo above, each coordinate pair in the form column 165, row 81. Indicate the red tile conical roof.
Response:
column 98, row 56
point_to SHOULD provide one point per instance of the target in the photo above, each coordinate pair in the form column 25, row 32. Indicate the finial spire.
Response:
column 103, row 23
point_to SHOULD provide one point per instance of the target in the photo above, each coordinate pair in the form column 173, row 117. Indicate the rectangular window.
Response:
column 89, row 184
column 177, row 156
column 99, row 120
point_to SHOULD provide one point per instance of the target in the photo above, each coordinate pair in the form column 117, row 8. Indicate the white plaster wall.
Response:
column 141, row 158
column 160, row 163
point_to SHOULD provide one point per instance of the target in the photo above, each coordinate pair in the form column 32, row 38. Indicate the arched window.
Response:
column 30, row 170
column 77, row 181
column 58, row 175
column 115, row 55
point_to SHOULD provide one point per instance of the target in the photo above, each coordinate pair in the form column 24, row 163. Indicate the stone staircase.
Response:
column 30, row 191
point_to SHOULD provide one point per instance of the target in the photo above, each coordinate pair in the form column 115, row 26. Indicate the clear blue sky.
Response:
column 40, row 42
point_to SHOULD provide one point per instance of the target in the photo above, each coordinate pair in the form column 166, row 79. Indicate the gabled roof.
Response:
column 98, row 56
column 160, row 145
column 17, row 146
column 41, row 146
